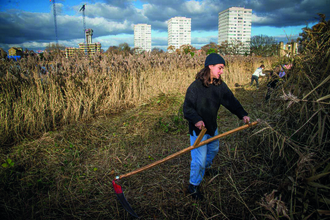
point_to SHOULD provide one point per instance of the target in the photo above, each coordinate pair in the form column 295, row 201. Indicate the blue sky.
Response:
column 30, row 23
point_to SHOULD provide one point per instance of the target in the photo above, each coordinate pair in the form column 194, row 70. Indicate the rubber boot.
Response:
column 194, row 192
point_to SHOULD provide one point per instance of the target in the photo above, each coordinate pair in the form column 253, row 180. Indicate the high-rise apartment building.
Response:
column 142, row 37
column 235, row 26
column 179, row 31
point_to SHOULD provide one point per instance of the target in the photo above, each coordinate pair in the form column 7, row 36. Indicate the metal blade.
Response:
column 122, row 199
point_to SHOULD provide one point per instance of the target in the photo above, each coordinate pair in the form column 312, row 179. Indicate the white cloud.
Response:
column 261, row 20
column 107, row 11
column 193, row 7
column 108, row 41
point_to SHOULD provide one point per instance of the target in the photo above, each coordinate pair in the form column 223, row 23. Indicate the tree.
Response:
column 187, row 48
column 234, row 47
column 124, row 47
column 53, row 47
column 113, row 50
column 52, row 51
column 263, row 45
column 28, row 52
column 210, row 48
column 156, row 50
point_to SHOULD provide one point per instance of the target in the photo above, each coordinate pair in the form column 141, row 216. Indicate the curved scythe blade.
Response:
column 122, row 199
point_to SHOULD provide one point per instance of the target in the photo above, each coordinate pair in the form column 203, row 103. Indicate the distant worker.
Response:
column 284, row 70
column 276, row 76
column 256, row 74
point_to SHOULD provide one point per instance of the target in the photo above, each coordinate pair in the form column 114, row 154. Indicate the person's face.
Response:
column 216, row 70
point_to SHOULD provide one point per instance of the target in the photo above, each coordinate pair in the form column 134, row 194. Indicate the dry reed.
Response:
column 35, row 100
column 297, row 133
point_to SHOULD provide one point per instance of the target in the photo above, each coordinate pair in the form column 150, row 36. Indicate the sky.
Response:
column 30, row 23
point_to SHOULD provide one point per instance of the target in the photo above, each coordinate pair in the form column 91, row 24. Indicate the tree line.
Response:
column 260, row 45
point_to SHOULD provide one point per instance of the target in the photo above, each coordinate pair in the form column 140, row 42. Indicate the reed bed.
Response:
column 90, row 120
column 36, row 99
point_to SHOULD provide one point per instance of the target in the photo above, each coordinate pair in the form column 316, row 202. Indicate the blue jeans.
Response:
column 255, row 78
column 202, row 157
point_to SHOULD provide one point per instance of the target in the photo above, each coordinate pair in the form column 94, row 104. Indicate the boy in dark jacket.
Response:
column 202, row 102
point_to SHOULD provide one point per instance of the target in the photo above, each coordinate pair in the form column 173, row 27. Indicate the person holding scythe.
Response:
column 202, row 101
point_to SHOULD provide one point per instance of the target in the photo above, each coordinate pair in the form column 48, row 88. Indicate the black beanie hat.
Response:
column 214, row 59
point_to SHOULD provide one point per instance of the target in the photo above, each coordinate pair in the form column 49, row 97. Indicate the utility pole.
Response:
column 55, row 23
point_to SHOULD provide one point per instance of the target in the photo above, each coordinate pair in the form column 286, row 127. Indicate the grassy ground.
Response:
column 67, row 174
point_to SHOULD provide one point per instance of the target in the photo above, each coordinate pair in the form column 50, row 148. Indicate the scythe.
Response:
column 117, row 188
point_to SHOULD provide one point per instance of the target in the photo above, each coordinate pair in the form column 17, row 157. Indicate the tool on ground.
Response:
column 198, row 143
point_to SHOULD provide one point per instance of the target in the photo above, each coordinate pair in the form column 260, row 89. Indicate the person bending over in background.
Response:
column 202, row 101
column 284, row 70
column 256, row 74
column 278, row 75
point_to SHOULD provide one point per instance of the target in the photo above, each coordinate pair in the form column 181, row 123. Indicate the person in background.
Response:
column 281, row 74
column 202, row 101
column 284, row 70
column 257, row 74
column 276, row 76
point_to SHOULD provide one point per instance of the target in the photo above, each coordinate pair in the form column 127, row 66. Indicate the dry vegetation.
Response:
column 69, row 135
column 76, row 89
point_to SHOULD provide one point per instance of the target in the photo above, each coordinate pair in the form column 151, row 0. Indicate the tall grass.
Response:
column 33, row 101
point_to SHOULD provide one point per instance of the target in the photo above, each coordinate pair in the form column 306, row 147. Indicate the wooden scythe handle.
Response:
column 227, row 133
column 196, row 145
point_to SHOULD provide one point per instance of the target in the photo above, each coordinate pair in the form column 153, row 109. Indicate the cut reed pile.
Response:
column 34, row 100
column 295, row 140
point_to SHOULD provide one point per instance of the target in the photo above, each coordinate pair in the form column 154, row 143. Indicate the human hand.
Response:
column 246, row 119
column 200, row 125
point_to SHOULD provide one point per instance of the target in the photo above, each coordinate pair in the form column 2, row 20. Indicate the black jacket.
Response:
column 202, row 104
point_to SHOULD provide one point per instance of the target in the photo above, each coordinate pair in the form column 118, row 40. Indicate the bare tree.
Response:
column 53, row 47
column 233, row 47
column 263, row 45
